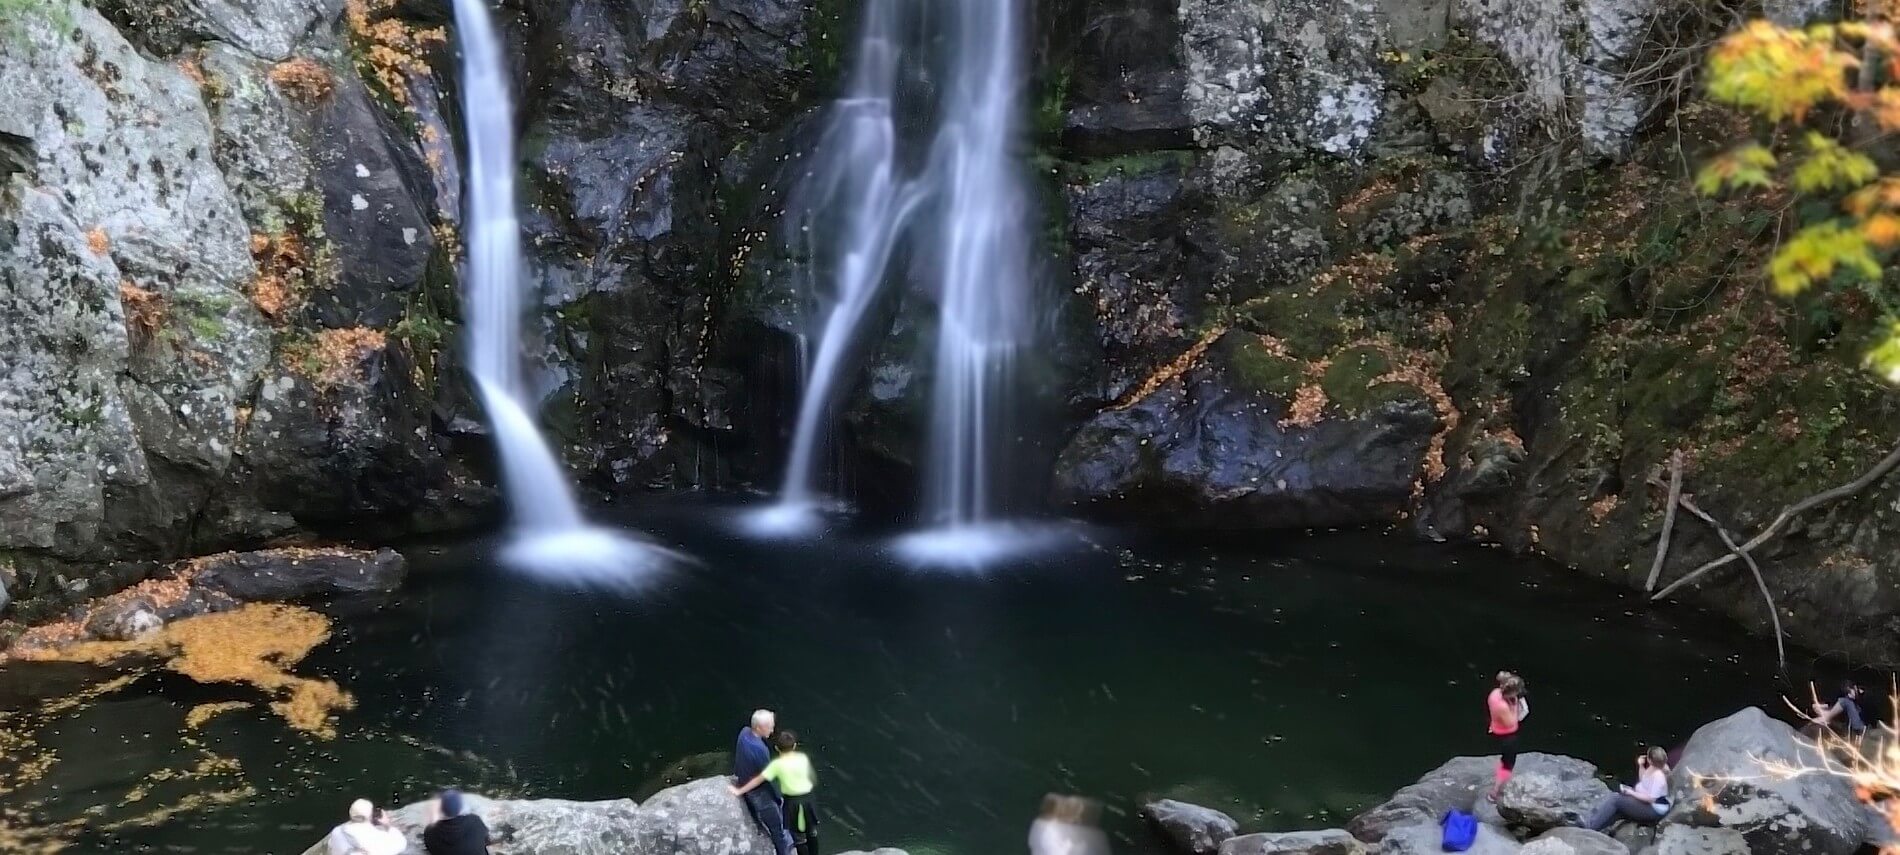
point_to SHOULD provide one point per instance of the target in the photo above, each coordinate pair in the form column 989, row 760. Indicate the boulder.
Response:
column 1540, row 800
column 1215, row 441
column 1427, row 839
column 125, row 620
column 1191, row 828
column 1456, row 784
column 1575, row 841
column 1332, row 841
column 700, row 818
column 1684, row 840
column 1633, row 836
column 534, row 826
column 1721, row 782
column 288, row 574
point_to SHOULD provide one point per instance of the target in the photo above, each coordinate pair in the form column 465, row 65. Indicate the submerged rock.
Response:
column 1331, row 841
column 1190, row 828
column 1721, row 783
column 289, row 574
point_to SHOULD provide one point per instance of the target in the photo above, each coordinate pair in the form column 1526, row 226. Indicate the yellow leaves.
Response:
column 1777, row 72
column 1832, row 166
column 1743, row 166
column 1815, row 253
column 1884, row 357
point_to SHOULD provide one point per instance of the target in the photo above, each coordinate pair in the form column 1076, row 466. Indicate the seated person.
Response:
column 1644, row 803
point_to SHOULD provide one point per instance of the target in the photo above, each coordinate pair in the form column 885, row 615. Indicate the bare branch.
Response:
column 1787, row 515
column 1669, row 520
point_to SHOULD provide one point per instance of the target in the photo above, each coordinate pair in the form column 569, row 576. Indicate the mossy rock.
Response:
column 1307, row 320
column 1250, row 366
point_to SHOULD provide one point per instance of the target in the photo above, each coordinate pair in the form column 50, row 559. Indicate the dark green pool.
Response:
column 1289, row 683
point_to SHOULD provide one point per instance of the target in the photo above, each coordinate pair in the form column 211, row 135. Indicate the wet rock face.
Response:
column 1200, row 444
column 627, row 117
column 187, row 263
column 142, row 221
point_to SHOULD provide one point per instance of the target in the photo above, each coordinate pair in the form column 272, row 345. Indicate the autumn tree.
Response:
column 1826, row 95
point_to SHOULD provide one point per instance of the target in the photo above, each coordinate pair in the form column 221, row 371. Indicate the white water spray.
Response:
column 552, row 538
column 849, row 209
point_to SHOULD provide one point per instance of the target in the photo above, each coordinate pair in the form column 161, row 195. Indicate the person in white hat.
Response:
column 367, row 833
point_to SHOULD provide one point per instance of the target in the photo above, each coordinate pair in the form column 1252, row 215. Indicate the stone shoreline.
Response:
column 697, row 818
column 1726, row 800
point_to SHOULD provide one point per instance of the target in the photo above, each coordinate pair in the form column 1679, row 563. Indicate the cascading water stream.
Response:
column 552, row 537
column 984, row 289
column 856, row 173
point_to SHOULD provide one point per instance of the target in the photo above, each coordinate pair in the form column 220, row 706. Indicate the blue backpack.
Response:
column 1461, row 830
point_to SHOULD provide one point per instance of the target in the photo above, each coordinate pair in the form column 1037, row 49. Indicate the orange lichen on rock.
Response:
column 144, row 310
column 281, row 265
column 256, row 644
column 333, row 358
column 98, row 242
column 390, row 47
column 305, row 80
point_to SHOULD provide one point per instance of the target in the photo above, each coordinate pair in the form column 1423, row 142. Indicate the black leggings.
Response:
column 801, row 819
column 1507, row 749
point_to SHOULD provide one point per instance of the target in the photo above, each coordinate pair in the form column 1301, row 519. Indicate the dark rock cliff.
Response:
column 1362, row 263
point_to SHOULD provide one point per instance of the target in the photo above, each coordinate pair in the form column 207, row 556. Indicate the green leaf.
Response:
column 1815, row 253
column 1744, row 166
column 1832, row 166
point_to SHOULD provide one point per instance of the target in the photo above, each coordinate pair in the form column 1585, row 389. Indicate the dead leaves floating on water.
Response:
column 257, row 644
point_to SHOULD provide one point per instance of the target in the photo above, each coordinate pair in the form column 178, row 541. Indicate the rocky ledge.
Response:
column 698, row 818
column 1727, row 798
column 216, row 583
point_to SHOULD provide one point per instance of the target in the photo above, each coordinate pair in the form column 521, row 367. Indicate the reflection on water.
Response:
column 1289, row 686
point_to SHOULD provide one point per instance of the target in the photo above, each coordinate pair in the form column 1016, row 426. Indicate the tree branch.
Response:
column 1774, row 616
column 1787, row 515
column 1669, row 520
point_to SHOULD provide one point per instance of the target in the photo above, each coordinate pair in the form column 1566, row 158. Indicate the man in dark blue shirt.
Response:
column 749, row 757
column 1844, row 713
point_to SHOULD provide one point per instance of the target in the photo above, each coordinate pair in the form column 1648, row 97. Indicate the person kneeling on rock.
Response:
column 792, row 773
column 452, row 829
column 1643, row 804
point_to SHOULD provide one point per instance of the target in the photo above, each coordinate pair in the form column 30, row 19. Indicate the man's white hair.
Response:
column 362, row 809
column 761, row 718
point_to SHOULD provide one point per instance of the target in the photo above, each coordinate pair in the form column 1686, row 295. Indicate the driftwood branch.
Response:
column 1774, row 616
column 1669, row 520
column 1787, row 515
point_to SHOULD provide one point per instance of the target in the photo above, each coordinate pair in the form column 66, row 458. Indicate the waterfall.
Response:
column 984, row 288
column 848, row 209
column 551, row 534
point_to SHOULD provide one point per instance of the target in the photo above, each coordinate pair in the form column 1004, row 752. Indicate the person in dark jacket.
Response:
column 1844, row 715
column 452, row 829
column 749, row 758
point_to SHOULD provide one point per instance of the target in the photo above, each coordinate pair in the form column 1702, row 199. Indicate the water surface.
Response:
column 1290, row 684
